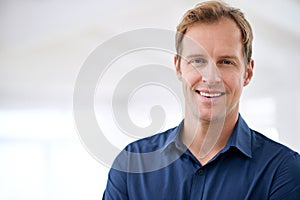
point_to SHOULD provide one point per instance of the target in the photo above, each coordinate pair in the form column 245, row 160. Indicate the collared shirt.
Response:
column 250, row 166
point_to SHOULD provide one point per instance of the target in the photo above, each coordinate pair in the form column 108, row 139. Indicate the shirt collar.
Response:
column 240, row 138
column 174, row 138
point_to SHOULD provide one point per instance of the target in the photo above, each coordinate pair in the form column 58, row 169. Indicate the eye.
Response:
column 227, row 62
column 197, row 62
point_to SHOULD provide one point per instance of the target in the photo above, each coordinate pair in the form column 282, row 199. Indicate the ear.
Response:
column 177, row 66
column 249, row 73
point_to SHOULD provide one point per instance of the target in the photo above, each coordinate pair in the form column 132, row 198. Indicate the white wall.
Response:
column 44, row 45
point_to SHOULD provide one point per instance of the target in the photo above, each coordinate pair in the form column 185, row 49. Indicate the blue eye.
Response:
column 227, row 62
column 197, row 61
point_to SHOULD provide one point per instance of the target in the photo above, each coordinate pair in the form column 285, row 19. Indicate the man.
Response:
column 212, row 154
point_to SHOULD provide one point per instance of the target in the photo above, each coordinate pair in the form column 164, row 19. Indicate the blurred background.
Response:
column 43, row 45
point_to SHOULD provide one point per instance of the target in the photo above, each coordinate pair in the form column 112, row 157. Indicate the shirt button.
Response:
column 201, row 172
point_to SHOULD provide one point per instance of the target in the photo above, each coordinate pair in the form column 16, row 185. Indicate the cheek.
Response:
column 232, row 75
column 233, row 83
column 191, row 77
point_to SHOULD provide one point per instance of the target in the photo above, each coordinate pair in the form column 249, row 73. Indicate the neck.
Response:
column 206, row 138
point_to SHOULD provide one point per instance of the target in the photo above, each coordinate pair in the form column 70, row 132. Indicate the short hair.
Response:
column 213, row 11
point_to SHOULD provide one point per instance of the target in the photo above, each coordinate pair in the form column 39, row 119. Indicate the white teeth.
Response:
column 210, row 94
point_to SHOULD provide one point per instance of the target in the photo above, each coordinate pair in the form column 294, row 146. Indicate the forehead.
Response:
column 220, row 36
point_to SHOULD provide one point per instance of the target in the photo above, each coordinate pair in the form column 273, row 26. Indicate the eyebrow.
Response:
column 206, row 56
column 229, row 57
column 195, row 56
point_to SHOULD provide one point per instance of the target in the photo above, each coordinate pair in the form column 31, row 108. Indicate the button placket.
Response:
column 200, row 172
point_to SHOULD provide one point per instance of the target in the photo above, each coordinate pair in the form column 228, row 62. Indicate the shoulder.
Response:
column 275, row 153
column 145, row 155
column 280, row 162
column 260, row 141
column 152, row 143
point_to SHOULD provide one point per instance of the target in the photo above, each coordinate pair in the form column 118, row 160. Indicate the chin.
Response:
column 210, row 116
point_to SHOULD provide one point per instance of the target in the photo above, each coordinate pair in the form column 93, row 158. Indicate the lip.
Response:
column 209, row 95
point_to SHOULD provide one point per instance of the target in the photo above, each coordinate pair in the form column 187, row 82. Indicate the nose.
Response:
column 211, row 74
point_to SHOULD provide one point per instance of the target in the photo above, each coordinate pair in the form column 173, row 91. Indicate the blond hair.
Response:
column 213, row 11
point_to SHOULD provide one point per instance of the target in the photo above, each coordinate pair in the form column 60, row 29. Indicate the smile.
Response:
column 210, row 95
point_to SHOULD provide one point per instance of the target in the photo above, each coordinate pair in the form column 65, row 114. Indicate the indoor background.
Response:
column 43, row 45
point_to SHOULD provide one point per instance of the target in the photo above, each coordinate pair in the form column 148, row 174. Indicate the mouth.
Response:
column 210, row 94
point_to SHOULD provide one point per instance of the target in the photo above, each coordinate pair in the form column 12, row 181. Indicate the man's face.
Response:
column 212, row 70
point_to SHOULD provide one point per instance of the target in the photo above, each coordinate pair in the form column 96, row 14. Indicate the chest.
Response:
column 238, row 179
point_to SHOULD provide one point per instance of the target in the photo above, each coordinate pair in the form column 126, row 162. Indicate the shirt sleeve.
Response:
column 116, row 188
column 286, row 183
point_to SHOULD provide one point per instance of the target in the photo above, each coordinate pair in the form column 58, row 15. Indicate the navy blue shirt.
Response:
column 250, row 166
